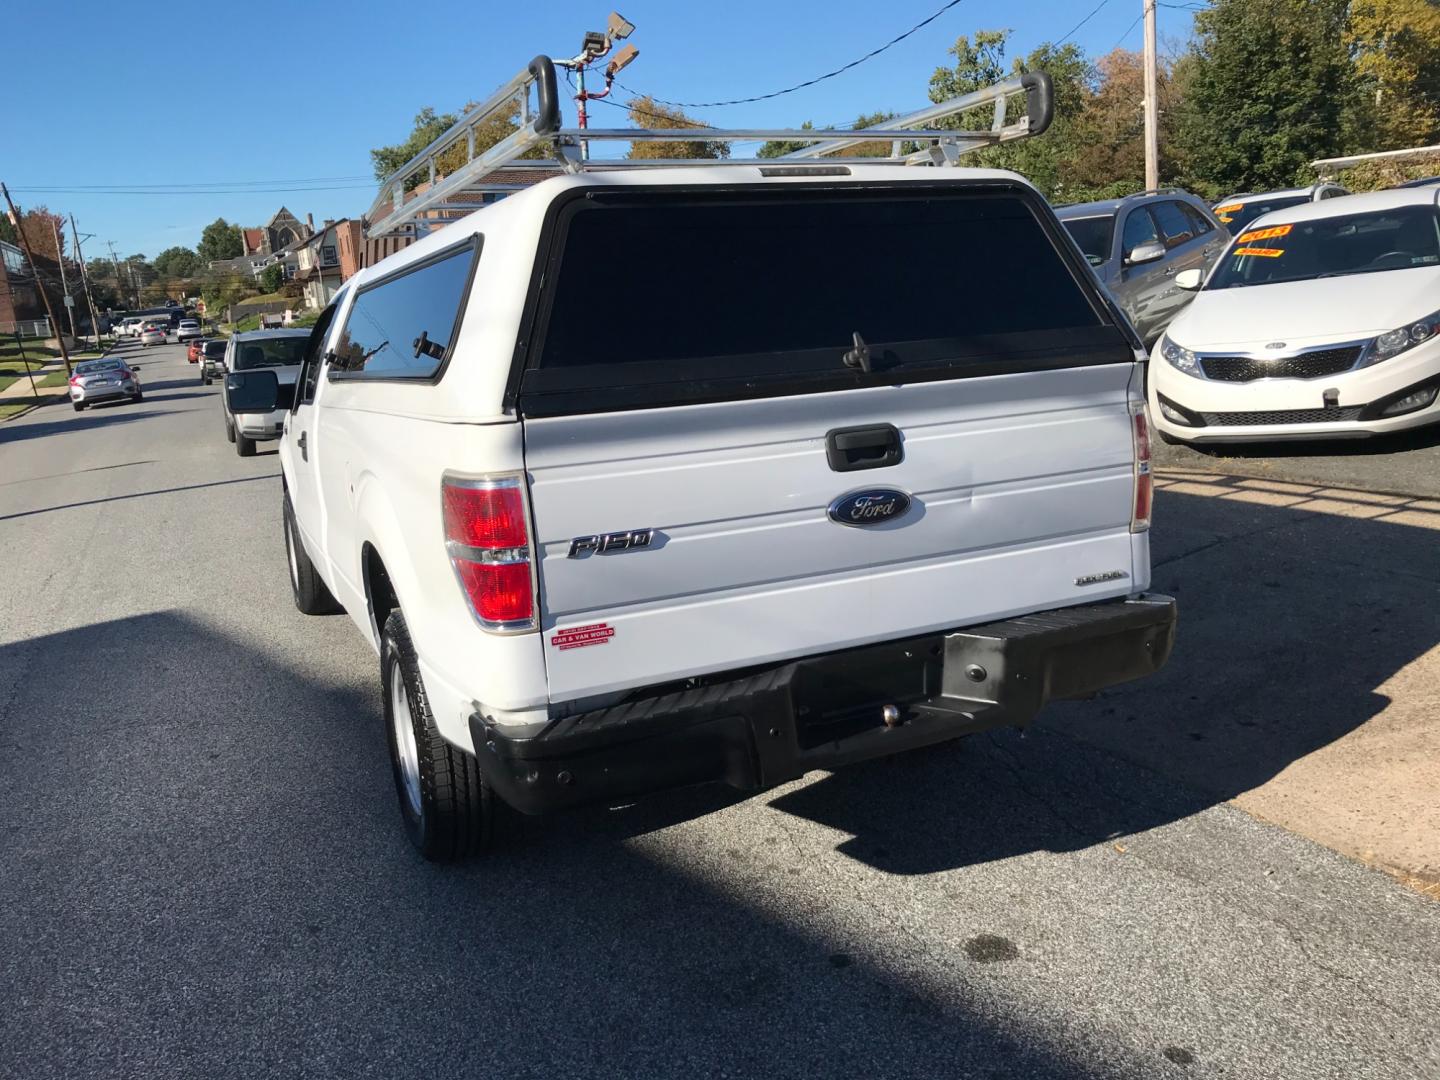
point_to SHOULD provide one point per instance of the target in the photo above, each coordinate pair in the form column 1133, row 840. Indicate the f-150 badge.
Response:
column 608, row 542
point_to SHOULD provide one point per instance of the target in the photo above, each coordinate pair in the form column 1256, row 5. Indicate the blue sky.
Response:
column 233, row 93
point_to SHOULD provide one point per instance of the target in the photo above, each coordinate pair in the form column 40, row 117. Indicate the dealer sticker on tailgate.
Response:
column 580, row 637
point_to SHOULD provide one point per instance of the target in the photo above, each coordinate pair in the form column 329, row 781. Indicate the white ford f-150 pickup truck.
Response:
column 644, row 479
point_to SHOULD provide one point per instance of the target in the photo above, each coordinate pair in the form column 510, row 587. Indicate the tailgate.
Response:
column 702, row 504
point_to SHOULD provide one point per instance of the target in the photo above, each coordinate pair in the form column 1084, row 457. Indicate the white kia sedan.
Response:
column 1320, row 321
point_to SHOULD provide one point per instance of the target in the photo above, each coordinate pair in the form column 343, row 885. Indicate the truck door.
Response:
column 298, row 444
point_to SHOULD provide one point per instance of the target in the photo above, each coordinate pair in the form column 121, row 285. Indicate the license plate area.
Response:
column 836, row 697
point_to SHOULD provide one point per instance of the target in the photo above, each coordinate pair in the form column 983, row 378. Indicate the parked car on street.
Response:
column 773, row 522
column 277, row 351
column 130, row 327
column 212, row 358
column 1320, row 321
column 192, row 351
column 1136, row 246
column 154, row 333
column 106, row 379
column 188, row 330
column 1237, row 211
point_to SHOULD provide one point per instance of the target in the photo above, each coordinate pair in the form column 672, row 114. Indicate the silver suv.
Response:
column 1139, row 243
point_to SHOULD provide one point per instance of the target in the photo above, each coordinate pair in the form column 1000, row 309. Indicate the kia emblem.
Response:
column 874, row 506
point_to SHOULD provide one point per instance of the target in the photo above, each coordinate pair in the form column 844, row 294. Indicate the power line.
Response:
column 798, row 86
column 1081, row 23
column 172, row 192
column 206, row 184
column 1121, row 39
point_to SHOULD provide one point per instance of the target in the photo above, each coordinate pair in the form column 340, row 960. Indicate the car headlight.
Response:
column 1394, row 342
column 1180, row 357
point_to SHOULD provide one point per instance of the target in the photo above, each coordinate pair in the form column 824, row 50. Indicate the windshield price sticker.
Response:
column 1265, row 234
column 1263, row 253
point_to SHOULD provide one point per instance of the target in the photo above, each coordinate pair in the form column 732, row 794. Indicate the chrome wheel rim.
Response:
column 407, row 754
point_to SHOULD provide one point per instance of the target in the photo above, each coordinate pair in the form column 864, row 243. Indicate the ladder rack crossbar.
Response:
column 538, row 126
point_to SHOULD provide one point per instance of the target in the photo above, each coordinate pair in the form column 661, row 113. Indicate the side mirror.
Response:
column 1189, row 280
column 252, row 392
column 1147, row 252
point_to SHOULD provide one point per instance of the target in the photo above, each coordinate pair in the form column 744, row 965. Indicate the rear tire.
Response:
column 311, row 595
column 138, row 398
column 448, row 810
column 229, row 430
column 78, row 406
column 243, row 446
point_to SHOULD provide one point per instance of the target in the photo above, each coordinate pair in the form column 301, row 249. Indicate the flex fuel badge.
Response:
column 581, row 637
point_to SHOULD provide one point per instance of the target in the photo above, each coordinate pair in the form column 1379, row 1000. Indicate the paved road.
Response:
column 202, row 875
column 1408, row 462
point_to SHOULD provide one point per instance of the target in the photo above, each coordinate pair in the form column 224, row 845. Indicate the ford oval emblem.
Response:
column 874, row 506
column 1276, row 345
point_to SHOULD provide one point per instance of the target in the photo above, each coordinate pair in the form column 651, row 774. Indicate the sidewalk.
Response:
column 17, row 399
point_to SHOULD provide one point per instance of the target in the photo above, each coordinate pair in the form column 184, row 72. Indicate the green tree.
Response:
column 1108, row 144
column 272, row 277
column 780, row 147
column 1045, row 161
column 429, row 126
column 645, row 112
column 1270, row 89
column 977, row 64
column 1396, row 48
column 176, row 262
column 220, row 240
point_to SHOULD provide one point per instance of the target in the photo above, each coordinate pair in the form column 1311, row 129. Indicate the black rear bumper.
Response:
column 760, row 728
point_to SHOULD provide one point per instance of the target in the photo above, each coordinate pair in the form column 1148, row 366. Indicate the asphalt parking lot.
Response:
column 1216, row 872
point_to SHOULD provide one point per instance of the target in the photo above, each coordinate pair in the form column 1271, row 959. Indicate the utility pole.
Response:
column 64, row 285
column 85, row 282
column 119, row 281
column 1152, row 104
column 35, row 271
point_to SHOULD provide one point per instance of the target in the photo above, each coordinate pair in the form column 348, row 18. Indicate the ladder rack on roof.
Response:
column 447, row 197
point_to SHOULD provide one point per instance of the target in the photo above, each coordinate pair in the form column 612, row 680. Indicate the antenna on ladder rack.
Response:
column 446, row 198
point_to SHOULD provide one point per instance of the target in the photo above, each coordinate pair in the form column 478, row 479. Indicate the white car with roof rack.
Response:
column 801, row 509
column 1236, row 212
column 1320, row 321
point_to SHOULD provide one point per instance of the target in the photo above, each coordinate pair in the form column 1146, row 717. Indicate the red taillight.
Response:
column 1144, row 482
column 489, row 546
column 74, row 380
column 484, row 517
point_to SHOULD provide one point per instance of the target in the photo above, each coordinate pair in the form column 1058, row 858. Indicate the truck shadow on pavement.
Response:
column 1296, row 608
column 205, row 860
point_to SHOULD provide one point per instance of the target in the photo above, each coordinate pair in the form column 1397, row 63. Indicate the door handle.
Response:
column 304, row 454
column 876, row 446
